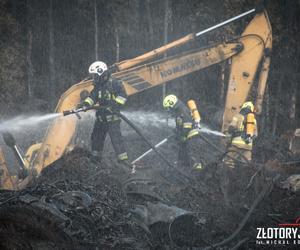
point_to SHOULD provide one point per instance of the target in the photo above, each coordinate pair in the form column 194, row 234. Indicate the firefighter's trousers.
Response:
column 114, row 130
column 188, row 153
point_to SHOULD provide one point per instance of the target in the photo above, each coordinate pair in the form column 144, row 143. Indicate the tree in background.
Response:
column 51, row 48
column 12, row 60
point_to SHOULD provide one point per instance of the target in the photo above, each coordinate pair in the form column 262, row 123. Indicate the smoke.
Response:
column 22, row 122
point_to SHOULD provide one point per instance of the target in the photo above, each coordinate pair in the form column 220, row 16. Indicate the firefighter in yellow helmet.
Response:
column 243, row 129
column 186, row 133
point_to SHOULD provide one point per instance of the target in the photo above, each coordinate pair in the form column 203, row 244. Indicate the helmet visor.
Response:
column 96, row 78
column 245, row 111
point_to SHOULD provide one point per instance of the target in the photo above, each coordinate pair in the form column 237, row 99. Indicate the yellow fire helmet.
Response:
column 248, row 105
column 170, row 101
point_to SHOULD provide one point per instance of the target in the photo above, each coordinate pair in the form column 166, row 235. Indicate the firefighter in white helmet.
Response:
column 186, row 133
column 243, row 129
column 109, row 93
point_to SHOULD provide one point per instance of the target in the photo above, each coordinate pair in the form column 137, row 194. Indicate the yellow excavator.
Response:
column 249, row 56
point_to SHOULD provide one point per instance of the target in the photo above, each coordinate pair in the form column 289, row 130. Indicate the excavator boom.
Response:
column 150, row 75
column 186, row 39
column 61, row 132
column 246, row 54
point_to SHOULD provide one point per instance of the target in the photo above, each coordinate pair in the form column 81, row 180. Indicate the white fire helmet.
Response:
column 98, row 68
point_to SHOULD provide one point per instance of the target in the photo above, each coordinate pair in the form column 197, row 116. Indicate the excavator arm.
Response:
column 257, row 42
column 135, row 80
column 246, row 54
column 150, row 75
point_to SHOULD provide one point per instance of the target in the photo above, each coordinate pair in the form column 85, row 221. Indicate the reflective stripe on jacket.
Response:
column 110, row 94
column 239, row 142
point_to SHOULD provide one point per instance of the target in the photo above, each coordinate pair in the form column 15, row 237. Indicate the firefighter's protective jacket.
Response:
column 110, row 94
column 184, row 122
column 244, row 129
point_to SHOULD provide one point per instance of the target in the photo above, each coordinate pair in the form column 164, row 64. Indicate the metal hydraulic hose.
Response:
column 125, row 119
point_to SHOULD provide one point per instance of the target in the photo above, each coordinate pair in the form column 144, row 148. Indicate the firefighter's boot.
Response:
column 123, row 159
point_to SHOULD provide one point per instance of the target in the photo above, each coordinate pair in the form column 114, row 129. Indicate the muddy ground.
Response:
column 80, row 202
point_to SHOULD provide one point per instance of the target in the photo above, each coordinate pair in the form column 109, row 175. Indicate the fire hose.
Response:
column 124, row 118
column 150, row 150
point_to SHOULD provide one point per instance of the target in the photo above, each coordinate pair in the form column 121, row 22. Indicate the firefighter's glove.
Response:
column 231, row 130
column 84, row 106
column 197, row 125
column 248, row 140
column 79, row 105
column 114, row 107
column 227, row 134
column 109, row 109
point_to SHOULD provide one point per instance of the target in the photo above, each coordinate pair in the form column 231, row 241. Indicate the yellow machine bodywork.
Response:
column 61, row 132
column 257, row 38
column 246, row 54
column 6, row 180
column 150, row 75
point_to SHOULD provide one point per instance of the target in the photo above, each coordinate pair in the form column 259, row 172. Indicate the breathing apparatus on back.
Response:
column 195, row 113
column 247, row 110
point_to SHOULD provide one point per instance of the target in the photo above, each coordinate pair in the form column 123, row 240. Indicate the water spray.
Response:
column 21, row 122
column 17, row 124
column 209, row 131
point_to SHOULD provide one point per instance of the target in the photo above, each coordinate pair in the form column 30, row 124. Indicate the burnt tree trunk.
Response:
column 51, row 83
column 117, row 44
column 150, row 22
column 166, row 24
column 277, row 106
column 96, row 29
column 292, row 102
column 29, row 52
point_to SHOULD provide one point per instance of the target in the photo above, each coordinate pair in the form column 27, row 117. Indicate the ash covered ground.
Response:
column 80, row 202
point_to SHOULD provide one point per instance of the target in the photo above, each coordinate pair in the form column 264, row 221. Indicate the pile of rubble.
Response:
column 81, row 203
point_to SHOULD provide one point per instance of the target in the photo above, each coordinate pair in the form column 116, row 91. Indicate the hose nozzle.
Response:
column 68, row 112
column 74, row 111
